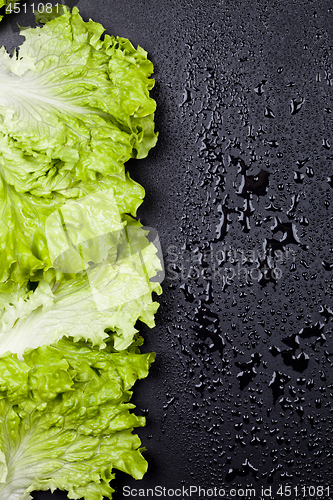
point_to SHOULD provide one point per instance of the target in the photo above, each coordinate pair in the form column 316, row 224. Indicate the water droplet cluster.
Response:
column 247, row 306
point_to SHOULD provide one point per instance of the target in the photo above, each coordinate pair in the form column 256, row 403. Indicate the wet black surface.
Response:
column 239, row 189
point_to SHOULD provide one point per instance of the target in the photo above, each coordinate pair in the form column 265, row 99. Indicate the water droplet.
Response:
column 298, row 177
column 328, row 266
column 326, row 144
column 269, row 113
column 296, row 105
column 259, row 89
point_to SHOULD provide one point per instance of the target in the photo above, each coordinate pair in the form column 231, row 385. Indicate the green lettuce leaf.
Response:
column 24, row 245
column 72, row 105
column 107, row 298
column 77, row 271
column 65, row 420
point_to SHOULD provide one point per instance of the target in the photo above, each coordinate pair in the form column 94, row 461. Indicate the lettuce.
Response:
column 24, row 246
column 102, row 266
column 73, row 109
column 113, row 295
column 77, row 270
column 73, row 105
column 65, row 420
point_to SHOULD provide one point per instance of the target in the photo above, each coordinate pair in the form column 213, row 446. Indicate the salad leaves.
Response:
column 65, row 420
column 77, row 270
column 113, row 296
column 24, row 246
column 73, row 109
column 73, row 104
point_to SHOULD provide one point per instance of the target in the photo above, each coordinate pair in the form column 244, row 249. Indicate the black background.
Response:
column 241, row 392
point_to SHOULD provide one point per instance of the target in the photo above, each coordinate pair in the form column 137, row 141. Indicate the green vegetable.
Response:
column 77, row 271
column 73, row 109
column 24, row 247
column 65, row 420
column 73, row 105
column 112, row 295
